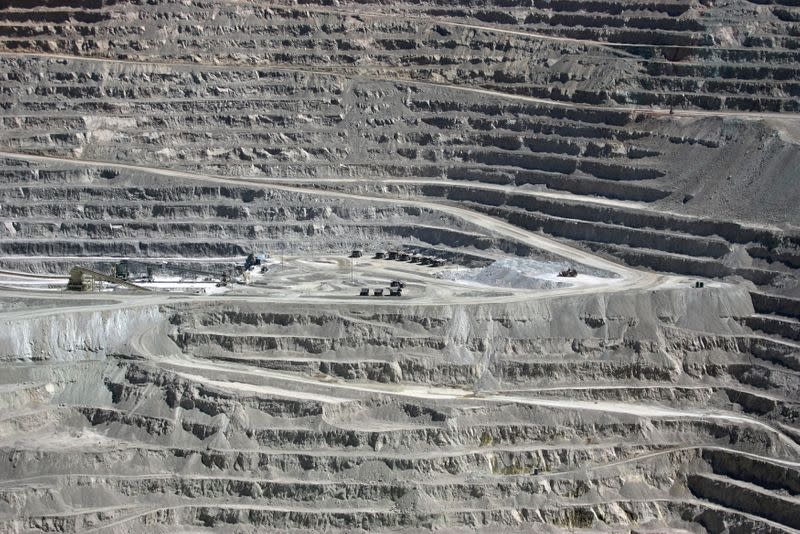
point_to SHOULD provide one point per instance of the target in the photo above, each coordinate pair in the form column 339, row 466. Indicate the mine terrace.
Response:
column 494, row 266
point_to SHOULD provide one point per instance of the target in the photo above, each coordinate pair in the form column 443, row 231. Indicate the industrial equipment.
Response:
column 84, row 279
column 222, row 278
column 251, row 261
column 120, row 270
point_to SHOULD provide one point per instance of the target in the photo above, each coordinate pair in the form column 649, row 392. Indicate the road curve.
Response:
column 632, row 278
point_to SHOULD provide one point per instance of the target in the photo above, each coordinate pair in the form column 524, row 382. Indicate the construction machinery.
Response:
column 251, row 261
column 396, row 288
column 84, row 279
column 568, row 273
column 124, row 267
column 120, row 270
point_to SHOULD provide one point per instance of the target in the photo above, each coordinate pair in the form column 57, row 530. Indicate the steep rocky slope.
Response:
column 590, row 412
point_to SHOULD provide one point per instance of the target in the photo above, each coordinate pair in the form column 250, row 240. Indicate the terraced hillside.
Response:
column 648, row 144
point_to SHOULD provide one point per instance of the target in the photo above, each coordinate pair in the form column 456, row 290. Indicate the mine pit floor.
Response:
column 336, row 277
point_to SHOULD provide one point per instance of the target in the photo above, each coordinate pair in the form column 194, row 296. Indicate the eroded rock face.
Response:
column 576, row 134
column 226, row 415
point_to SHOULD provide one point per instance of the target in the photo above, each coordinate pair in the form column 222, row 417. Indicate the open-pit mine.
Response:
column 493, row 266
